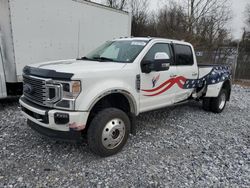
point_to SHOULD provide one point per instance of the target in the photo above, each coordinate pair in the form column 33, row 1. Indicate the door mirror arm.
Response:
column 161, row 62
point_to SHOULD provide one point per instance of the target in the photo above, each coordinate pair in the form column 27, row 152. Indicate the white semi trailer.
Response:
column 34, row 31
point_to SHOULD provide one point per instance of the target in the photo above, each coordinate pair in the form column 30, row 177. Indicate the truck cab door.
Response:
column 157, row 78
column 187, row 68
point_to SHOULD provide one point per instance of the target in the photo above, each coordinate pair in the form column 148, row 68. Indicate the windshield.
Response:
column 117, row 51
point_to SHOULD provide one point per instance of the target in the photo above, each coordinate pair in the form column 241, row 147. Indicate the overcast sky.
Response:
column 238, row 7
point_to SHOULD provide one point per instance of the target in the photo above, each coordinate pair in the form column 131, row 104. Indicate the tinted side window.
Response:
column 160, row 47
column 184, row 55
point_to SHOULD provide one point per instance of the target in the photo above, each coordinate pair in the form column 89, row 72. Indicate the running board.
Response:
column 181, row 102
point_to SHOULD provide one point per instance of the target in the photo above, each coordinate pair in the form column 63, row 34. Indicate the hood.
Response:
column 79, row 66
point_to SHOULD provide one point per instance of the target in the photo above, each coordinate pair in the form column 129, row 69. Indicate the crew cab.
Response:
column 99, row 95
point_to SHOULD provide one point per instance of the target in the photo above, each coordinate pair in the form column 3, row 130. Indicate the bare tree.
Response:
column 171, row 22
column 246, row 31
column 201, row 22
column 247, row 14
column 139, row 10
column 216, row 11
column 118, row 4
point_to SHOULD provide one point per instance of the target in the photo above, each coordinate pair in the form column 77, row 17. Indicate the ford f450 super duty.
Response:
column 99, row 95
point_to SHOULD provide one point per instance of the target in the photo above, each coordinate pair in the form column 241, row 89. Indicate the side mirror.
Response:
column 162, row 61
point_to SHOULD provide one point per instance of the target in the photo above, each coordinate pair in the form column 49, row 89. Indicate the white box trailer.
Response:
column 34, row 31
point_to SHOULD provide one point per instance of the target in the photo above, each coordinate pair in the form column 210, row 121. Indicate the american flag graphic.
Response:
column 217, row 74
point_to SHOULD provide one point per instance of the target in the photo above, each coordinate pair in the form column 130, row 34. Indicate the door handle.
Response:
column 194, row 74
column 173, row 75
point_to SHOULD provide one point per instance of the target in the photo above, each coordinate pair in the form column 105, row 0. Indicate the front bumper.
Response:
column 70, row 136
column 40, row 118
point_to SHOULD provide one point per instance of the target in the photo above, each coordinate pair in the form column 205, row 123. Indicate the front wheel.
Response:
column 108, row 132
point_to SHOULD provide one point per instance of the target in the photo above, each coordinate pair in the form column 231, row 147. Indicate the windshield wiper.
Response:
column 85, row 58
column 103, row 58
column 95, row 58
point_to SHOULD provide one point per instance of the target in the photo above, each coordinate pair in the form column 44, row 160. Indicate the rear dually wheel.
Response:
column 216, row 104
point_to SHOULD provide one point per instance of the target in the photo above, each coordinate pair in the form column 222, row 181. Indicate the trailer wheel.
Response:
column 108, row 132
column 218, row 104
column 206, row 104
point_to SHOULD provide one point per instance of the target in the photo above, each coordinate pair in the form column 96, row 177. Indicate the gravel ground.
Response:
column 175, row 147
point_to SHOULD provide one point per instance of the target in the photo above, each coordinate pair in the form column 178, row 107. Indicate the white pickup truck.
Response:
column 99, row 95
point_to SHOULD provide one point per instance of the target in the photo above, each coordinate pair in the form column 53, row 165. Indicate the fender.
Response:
column 132, row 103
column 214, row 90
column 128, row 95
column 215, row 80
column 94, row 92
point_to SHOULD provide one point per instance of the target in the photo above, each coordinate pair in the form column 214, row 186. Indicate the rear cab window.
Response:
column 183, row 55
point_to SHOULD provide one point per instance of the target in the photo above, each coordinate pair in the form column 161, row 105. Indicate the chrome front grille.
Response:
column 34, row 89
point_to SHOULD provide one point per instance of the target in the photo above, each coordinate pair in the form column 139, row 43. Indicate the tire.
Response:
column 206, row 104
column 218, row 104
column 108, row 132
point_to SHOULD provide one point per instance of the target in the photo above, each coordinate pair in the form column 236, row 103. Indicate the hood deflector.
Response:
column 46, row 73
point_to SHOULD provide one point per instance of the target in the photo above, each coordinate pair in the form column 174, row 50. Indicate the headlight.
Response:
column 71, row 90
column 68, row 94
